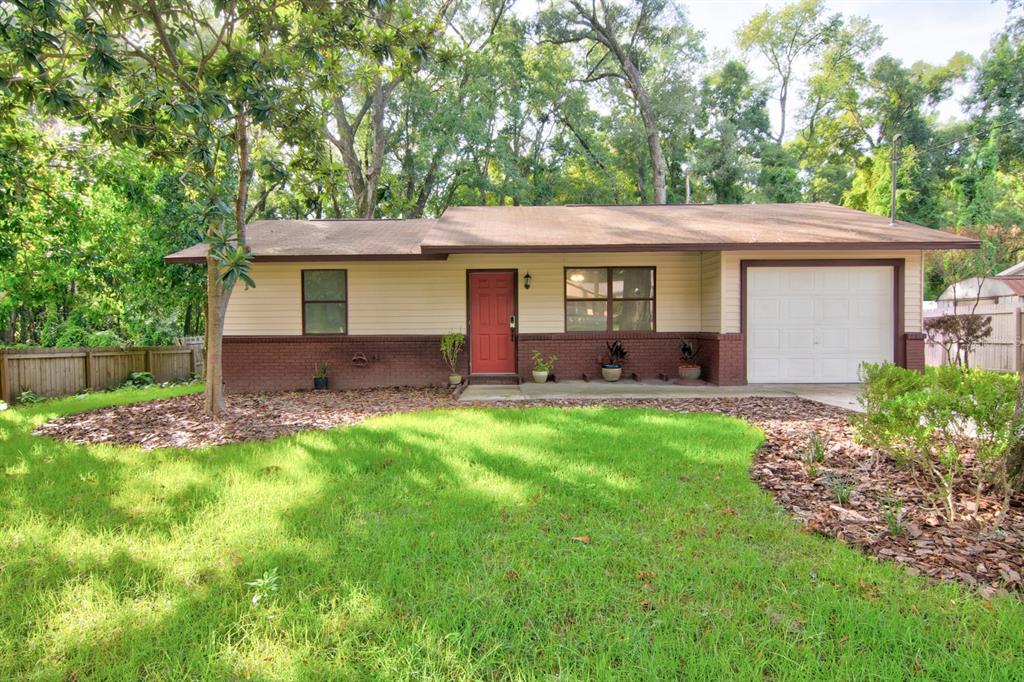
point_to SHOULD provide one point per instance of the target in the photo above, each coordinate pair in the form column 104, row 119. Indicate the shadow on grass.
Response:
column 510, row 543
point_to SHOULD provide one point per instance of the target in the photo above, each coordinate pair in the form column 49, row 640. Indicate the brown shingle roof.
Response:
column 483, row 229
column 326, row 240
column 694, row 227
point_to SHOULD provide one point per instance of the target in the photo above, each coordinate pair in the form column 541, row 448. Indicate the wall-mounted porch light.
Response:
column 527, row 279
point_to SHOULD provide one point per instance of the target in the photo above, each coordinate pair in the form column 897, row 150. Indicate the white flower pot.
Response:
column 539, row 376
column 454, row 379
column 611, row 373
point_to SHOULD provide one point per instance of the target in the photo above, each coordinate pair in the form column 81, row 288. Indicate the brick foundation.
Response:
column 913, row 351
column 277, row 363
column 724, row 359
column 650, row 353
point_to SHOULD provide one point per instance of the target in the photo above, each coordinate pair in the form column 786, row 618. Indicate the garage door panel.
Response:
column 796, row 309
column 832, row 309
column 801, row 369
column 768, row 311
column 799, row 340
column 765, row 341
column 817, row 324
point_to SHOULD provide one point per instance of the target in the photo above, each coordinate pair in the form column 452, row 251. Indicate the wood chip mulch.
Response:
column 969, row 550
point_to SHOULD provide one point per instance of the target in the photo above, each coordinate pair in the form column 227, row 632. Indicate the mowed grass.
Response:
column 469, row 544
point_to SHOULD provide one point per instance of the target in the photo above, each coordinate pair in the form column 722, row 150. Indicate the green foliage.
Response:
column 931, row 421
column 452, row 345
column 840, row 487
column 139, row 379
column 542, row 365
column 29, row 398
column 320, row 370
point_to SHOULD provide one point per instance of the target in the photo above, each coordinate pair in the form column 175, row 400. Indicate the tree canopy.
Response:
column 129, row 129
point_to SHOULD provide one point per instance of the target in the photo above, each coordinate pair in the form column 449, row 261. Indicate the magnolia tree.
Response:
column 192, row 80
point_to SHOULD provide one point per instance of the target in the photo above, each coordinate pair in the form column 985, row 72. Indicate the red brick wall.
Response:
column 913, row 355
column 724, row 359
column 274, row 363
column 650, row 353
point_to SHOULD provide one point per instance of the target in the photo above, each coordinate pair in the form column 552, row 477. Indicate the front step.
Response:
column 495, row 379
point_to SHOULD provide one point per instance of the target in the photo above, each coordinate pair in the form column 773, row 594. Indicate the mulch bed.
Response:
column 968, row 550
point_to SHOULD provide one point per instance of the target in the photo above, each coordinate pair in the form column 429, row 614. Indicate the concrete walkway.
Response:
column 839, row 395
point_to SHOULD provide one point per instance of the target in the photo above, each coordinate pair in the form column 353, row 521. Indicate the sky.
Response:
column 915, row 30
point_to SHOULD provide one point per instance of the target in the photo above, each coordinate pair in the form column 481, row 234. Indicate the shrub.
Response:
column 451, row 345
column 542, row 365
column 29, row 398
column 929, row 422
column 139, row 379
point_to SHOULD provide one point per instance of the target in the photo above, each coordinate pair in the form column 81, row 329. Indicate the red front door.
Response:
column 492, row 309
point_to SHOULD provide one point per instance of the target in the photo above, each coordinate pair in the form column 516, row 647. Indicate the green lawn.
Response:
column 445, row 545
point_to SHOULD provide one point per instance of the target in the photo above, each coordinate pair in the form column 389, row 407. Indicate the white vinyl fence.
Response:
column 1001, row 351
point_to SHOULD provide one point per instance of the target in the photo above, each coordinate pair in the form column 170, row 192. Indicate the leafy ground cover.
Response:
column 473, row 543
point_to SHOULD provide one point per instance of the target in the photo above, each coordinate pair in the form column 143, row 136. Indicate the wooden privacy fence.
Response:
column 1002, row 351
column 53, row 372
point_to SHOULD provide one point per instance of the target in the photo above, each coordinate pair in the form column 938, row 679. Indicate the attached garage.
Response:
column 813, row 323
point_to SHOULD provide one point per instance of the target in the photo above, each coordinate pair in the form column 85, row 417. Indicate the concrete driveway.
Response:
column 838, row 395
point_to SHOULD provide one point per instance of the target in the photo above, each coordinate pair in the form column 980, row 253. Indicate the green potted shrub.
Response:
column 689, row 368
column 617, row 354
column 451, row 346
column 320, row 377
column 542, row 367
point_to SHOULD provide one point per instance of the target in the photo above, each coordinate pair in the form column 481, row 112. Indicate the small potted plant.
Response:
column 612, row 370
column 451, row 346
column 320, row 377
column 689, row 368
column 542, row 367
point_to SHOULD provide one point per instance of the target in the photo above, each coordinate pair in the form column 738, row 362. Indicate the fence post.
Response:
column 1018, row 356
column 197, row 364
column 5, row 378
column 89, row 370
column 149, row 361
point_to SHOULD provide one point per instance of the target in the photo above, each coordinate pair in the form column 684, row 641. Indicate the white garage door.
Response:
column 817, row 324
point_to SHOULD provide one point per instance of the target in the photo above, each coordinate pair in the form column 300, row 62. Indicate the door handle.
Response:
column 512, row 322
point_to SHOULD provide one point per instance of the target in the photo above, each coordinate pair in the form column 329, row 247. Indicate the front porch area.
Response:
column 837, row 395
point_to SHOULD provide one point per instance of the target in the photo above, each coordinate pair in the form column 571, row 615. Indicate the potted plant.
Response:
column 320, row 377
column 689, row 368
column 542, row 367
column 451, row 346
column 612, row 370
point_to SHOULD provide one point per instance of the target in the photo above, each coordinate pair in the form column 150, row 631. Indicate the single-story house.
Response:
column 772, row 293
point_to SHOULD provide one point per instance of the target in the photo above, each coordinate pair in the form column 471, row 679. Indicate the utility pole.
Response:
column 894, row 162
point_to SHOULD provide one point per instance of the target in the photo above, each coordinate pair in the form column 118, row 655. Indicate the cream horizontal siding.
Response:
column 711, row 291
column 912, row 280
column 429, row 297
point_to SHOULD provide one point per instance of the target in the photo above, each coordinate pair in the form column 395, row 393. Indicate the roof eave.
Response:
column 319, row 258
column 731, row 246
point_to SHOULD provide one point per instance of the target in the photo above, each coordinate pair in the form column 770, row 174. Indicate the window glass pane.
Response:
column 324, row 285
column 586, row 316
column 586, row 283
column 325, row 318
column 633, row 283
column 633, row 316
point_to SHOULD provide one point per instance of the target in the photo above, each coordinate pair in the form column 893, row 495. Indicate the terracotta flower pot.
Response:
column 689, row 372
column 611, row 372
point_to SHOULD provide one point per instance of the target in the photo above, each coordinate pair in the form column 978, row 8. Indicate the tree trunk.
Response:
column 216, row 304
